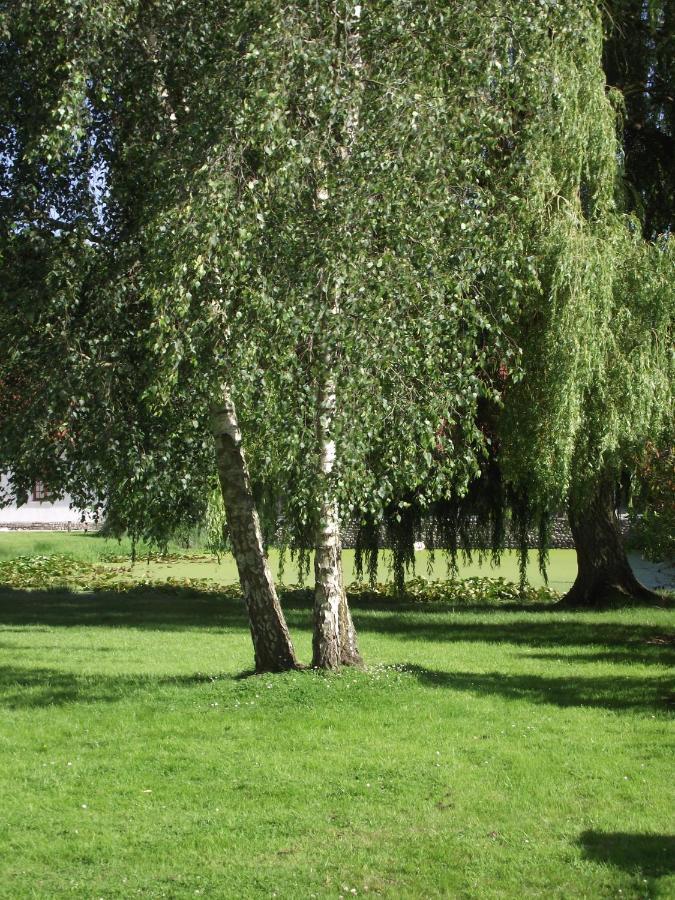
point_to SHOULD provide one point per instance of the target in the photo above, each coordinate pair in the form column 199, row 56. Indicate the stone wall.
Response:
column 561, row 536
column 48, row 526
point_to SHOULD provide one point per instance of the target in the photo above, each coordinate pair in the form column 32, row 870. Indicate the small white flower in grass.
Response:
column 84, row 806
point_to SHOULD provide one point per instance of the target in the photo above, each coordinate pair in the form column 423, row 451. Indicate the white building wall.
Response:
column 47, row 513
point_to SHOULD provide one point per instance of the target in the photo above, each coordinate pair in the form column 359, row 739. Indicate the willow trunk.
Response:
column 271, row 640
column 604, row 575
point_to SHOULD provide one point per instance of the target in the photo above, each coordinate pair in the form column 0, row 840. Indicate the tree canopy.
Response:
column 417, row 204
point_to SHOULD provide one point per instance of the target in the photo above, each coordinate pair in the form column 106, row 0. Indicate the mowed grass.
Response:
column 483, row 753
column 86, row 546
column 194, row 563
column 561, row 570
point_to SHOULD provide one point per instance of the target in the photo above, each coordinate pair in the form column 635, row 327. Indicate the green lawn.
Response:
column 484, row 753
column 89, row 547
column 94, row 548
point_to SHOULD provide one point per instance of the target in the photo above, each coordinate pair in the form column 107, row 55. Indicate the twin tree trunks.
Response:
column 604, row 576
column 272, row 645
column 604, row 573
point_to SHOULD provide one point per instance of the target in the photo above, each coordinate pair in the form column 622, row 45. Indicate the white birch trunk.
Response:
column 271, row 640
column 334, row 641
column 328, row 589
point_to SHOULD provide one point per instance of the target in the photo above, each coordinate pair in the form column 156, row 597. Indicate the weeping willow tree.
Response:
column 639, row 60
column 596, row 330
column 590, row 304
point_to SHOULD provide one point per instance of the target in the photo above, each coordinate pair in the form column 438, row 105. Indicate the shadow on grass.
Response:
column 153, row 608
column 174, row 608
column 528, row 629
column 613, row 692
column 23, row 688
column 647, row 653
column 652, row 855
column 178, row 608
column 26, row 688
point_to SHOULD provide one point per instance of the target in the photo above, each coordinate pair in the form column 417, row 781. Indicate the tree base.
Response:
column 354, row 660
column 325, row 664
column 277, row 669
column 609, row 594
column 604, row 576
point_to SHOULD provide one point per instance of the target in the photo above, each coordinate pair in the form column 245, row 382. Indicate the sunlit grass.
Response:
column 483, row 753
column 95, row 548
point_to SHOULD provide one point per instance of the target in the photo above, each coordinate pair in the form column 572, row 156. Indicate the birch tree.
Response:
column 334, row 633
column 258, row 166
column 91, row 129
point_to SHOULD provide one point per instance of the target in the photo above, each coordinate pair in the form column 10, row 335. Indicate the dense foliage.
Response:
column 180, row 213
column 653, row 510
column 639, row 60
column 592, row 310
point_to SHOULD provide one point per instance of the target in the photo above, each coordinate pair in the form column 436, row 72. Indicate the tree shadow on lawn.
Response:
column 23, row 688
column 652, row 855
column 613, row 692
column 525, row 630
column 26, row 688
column 173, row 608
column 153, row 608
column 646, row 654
column 177, row 608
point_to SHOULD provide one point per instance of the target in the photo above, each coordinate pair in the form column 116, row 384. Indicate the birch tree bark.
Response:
column 334, row 640
column 271, row 640
column 328, row 582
